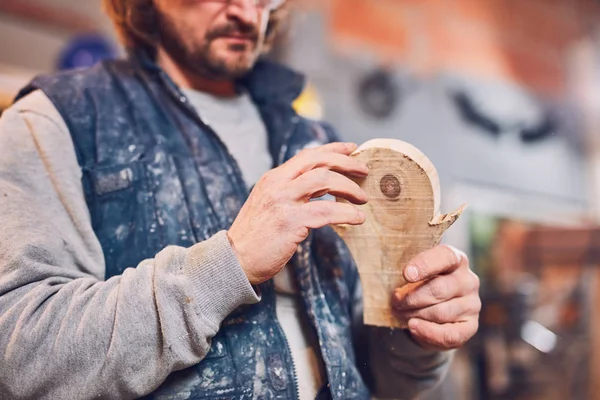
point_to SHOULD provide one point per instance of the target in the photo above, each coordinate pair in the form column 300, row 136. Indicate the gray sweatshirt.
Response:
column 66, row 333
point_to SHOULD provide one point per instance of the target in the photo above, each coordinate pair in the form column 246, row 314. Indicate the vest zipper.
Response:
column 271, row 287
column 294, row 372
column 281, row 158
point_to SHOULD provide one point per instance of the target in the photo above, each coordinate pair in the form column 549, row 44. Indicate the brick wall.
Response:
column 525, row 41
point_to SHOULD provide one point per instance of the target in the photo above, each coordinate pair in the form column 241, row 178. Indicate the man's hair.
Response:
column 136, row 22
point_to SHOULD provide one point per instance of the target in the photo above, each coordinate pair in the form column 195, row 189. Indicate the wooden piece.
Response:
column 402, row 221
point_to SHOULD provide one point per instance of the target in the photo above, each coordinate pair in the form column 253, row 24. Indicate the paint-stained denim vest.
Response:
column 155, row 175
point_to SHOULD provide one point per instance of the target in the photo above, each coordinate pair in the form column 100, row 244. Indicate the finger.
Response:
column 346, row 148
column 318, row 214
column 310, row 159
column 435, row 291
column 442, row 259
column 459, row 309
column 442, row 336
column 321, row 181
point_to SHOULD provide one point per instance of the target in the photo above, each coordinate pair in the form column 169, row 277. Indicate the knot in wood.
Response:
column 390, row 186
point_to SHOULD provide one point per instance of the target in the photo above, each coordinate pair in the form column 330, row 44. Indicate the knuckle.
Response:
column 447, row 313
column 411, row 301
column 280, row 223
column 457, row 254
column 271, row 177
column 322, row 176
column 314, row 157
column 454, row 256
column 438, row 289
column 476, row 281
column 305, row 152
column 475, row 327
column 282, row 216
column 359, row 215
column 323, row 212
column 453, row 339
column 264, row 181
column 300, row 233
column 476, row 304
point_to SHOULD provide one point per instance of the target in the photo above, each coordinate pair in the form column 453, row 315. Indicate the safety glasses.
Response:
column 261, row 4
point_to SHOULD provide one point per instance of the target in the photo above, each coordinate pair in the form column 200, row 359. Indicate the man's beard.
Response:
column 201, row 59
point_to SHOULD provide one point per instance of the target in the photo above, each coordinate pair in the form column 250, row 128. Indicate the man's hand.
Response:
column 278, row 214
column 441, row 303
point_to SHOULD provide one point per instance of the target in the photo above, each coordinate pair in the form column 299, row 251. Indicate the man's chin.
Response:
column 236, row 67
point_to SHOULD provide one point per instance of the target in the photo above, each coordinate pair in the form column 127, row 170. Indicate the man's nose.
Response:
column 244, row 10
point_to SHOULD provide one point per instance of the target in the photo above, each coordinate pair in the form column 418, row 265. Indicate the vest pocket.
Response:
column 123, row 214
column 213, row 378
column 217, row 372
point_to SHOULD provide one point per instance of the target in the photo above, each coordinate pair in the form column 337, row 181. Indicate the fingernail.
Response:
column 412, row 273
column 413, row 324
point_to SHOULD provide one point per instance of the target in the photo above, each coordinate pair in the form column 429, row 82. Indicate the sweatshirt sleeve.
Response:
column 397, row 367
column 66, row 332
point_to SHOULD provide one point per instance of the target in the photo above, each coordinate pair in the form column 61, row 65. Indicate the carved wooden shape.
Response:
column 402, row 221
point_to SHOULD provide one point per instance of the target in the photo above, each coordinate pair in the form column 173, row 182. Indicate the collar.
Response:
column 268, row 82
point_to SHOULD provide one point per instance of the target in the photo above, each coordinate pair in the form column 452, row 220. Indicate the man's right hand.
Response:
column 278, row 214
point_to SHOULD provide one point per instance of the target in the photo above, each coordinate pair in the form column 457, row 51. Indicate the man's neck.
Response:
column 187, row 80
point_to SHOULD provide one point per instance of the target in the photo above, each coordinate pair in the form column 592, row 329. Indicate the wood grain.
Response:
column 402, row 221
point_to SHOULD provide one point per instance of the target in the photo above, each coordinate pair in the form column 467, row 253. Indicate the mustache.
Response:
column 238, row 29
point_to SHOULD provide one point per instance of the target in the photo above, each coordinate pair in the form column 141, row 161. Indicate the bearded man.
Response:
column 159, row 235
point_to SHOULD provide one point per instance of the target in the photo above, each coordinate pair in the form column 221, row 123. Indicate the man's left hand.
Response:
column 441, row 303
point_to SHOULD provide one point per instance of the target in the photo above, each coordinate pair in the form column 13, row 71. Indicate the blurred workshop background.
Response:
column 502, row 95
